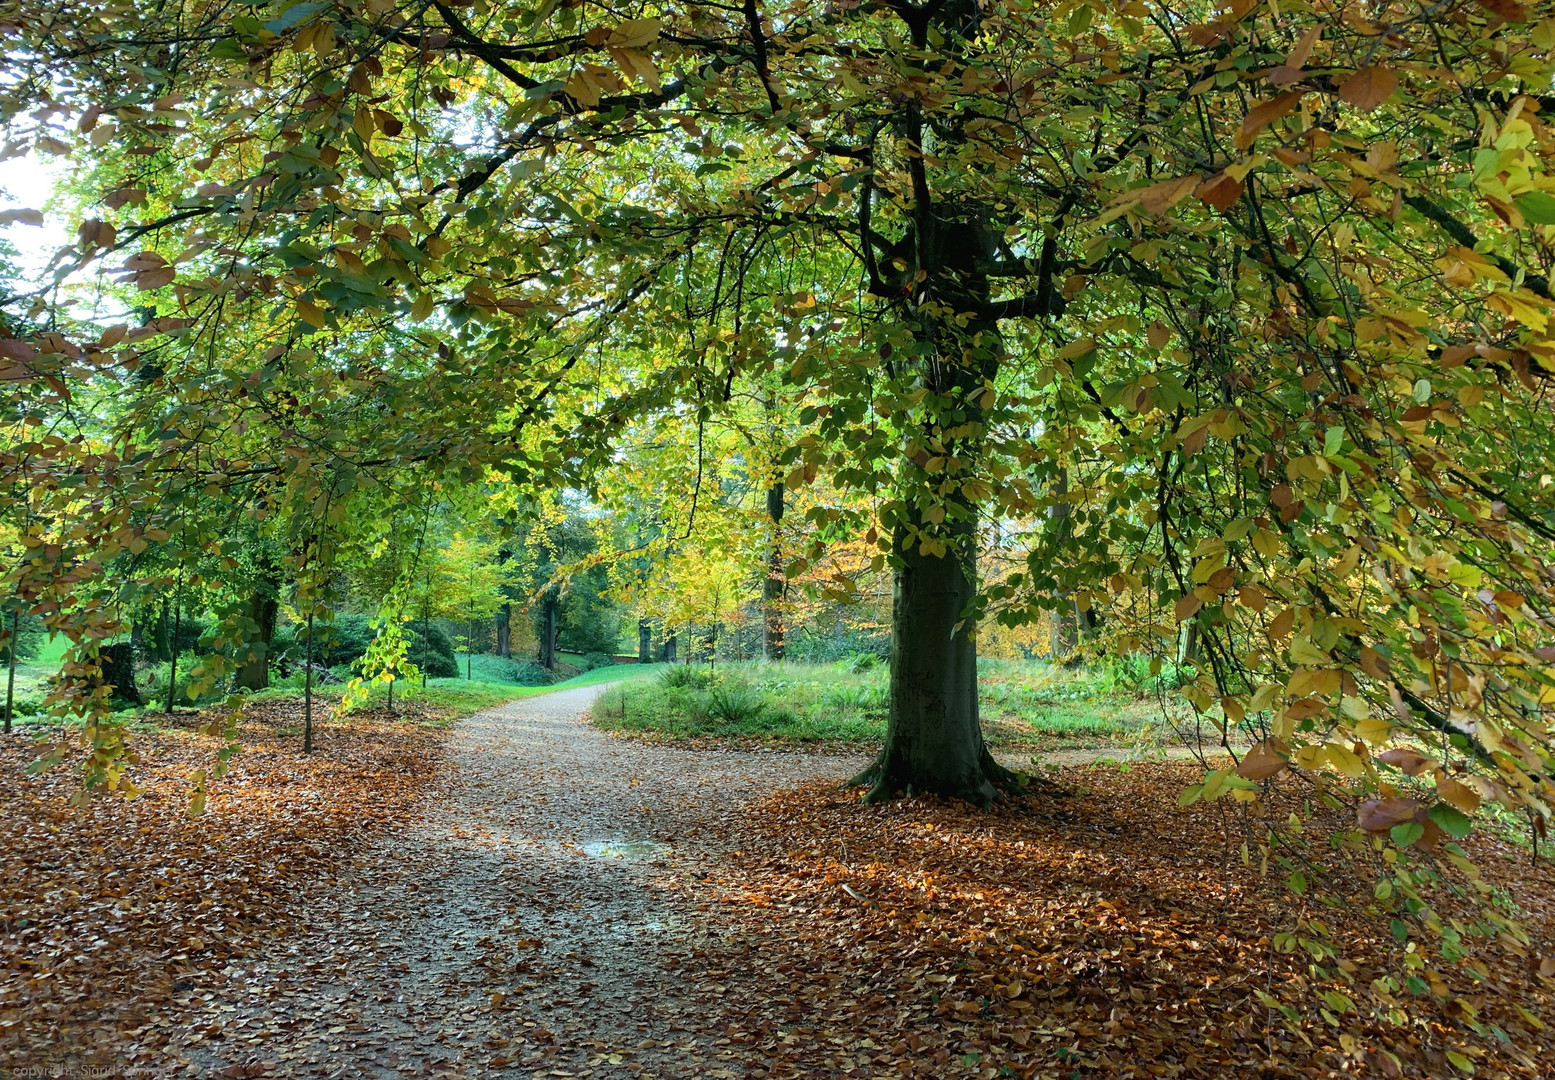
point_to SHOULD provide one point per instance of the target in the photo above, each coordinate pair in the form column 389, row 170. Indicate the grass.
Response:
column 448, row 699
column 1022, row 704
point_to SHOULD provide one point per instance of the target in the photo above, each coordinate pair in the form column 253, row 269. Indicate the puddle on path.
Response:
column 637, row 850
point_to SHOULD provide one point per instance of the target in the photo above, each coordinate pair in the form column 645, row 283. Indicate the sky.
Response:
column 28, row 182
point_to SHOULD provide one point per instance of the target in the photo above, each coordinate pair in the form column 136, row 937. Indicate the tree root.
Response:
column 997, row 782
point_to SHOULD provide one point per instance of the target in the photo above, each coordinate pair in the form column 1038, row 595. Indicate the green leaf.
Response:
column 1407, row 833
column 1453, row 823
column 1297, row 883
column 1537, row 207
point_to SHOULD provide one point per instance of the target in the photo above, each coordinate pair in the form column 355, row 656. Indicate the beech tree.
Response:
column 1255, row 298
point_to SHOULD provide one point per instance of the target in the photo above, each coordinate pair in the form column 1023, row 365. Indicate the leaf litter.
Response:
column 525, row 896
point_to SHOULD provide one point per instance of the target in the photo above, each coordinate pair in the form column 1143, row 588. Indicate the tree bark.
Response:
column 172, row 669
column 255, row 672
column 644, row 641
column 307, row 693
column 774, row 645
column 505, row 630
column 667, row 652
column 548, row 630
column 10, row 674
column 934, row 740
column 117, row 665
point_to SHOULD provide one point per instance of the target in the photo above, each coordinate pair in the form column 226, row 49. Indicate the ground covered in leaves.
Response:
column 111, row 912
column 526, row 896
column 1096, row 931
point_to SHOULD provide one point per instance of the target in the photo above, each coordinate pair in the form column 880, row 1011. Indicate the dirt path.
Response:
column 543, row 917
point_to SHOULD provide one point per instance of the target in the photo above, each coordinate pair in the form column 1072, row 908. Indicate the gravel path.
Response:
column 544, row 917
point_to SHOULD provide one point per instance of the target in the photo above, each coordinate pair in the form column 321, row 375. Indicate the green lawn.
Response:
column 453, row 698
column 462, row 697
column 1021, row 703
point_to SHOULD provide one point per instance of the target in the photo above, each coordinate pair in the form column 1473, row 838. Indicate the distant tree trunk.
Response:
column 426, row 630
column 172, row 670
column 505, row 631
column 117, row 662
column 644, row 641
column 469, row 650
column 667, row 652
column 548, row 630
column 10, row 675
column 1065, row 635
column 774, row 645
column 307, row 693
column 712, row 646
column 255, row 672
column 1188, row 649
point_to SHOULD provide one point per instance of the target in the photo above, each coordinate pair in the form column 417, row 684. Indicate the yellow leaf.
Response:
column 635, row 65
column 1159, row 198
column 311, row 314
column 634, row 33
column 1344, row 759
column 422, row 307
column 1374, row 731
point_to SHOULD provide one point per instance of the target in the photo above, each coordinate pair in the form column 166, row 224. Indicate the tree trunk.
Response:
column 255, row 672
column 117, row 665
column 10, row 674
column 469, row 650
column 644, row 641
column 505, row 631
column 548, row 631
column 667, row 653
column 172, row 669
column 934, row 741
column 773, row 644
column 307, row 693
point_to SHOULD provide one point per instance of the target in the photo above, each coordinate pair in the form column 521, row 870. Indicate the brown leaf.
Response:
column 1220, row 191
column 1186, row 606
column 1380, row 815
column 1264, row 114
column 1290, row 71
column 1159, row 198
column 1457, row 795
column 1368, row 87
column 1263, row 760
column 1407, row 761
column 1506, row 9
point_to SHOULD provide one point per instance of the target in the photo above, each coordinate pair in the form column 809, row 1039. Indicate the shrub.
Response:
column 193, row 630
column 734, row 703
column 597, row 660
column 431, row 651
column 856, row 662
column 29, row 638
column 529, row 673
column 342, row 641
column 691, row 676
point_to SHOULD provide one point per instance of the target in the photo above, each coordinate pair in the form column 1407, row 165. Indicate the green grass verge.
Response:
column 462, row 697
column 1022, row 704
column 450, row 699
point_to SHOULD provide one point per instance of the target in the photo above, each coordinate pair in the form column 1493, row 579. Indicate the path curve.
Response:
column 541, row 917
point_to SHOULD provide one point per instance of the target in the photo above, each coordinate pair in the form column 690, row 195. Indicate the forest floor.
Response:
column 523, row 895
